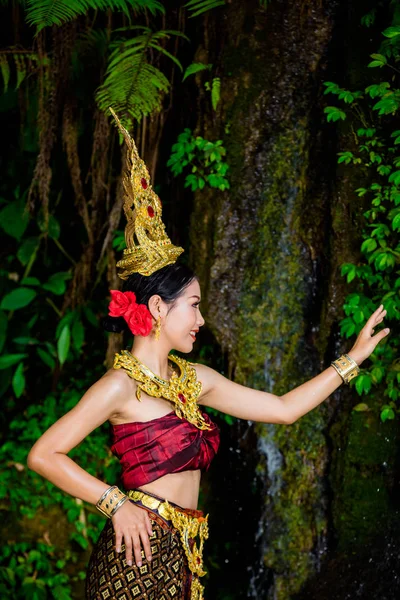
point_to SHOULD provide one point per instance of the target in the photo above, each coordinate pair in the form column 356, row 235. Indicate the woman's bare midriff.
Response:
column 181, row 488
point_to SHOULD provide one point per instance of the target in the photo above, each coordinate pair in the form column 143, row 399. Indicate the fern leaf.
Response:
column 201, row 6
column 21, row 69
column 215, row 92
column 44, row 13
column 132, row 86
column 195, row 68
column 5, row 71
column 171, row 56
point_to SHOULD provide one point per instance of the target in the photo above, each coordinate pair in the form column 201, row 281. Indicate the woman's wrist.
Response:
column 346, row 366
column 355, row 356
column 111, row 501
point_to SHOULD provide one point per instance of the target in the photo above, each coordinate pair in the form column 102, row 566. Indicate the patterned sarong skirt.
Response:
column 176, row 563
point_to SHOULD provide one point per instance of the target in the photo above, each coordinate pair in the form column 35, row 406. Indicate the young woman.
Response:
column 151, row 544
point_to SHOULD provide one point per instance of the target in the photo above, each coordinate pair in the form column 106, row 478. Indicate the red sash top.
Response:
column 150, row 449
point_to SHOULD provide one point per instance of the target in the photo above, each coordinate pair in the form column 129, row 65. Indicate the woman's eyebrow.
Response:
column 195, row 296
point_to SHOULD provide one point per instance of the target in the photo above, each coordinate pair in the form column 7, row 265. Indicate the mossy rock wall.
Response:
column 268, row 252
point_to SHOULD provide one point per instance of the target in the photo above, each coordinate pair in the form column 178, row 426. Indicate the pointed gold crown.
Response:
column 148, row 248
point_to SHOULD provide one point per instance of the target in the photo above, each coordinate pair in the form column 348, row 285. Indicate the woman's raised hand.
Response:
column 132, row 526
column 366, row 341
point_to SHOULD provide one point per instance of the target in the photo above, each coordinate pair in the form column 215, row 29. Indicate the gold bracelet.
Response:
column 111, row 501
column 346, row 367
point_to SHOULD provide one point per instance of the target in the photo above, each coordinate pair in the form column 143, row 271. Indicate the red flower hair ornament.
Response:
column 137, row 316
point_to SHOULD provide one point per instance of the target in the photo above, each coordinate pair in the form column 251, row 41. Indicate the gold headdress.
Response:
column 153, row 249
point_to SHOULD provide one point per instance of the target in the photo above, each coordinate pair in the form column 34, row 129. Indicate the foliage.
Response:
column 45, row 13
column 132, row 85
column 214, row 87
column 198, row 7
column 25, row 298
column 33, row 572
column 376, row 277
column 38, row 568
column 205, row 159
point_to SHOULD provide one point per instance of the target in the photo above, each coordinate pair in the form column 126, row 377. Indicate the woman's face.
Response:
column 184, row 319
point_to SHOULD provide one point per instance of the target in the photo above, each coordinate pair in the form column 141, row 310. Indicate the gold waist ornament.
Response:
column 189, row 528
column 183, row 389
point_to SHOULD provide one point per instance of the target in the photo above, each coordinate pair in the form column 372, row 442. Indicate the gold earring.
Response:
column 157, row 329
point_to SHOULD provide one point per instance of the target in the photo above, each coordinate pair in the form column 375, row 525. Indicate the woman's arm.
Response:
column 48, row 457
column 245, row 403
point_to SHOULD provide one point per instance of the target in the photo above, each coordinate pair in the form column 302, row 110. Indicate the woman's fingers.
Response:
column 133, row 529
column 376, row 318
column 148, row 523
column 128, row 548
column 146, row 544
column 118, row 540
column 137, row 549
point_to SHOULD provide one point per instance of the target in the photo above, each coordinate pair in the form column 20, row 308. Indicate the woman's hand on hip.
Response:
column 366, row 341
column 132, row 526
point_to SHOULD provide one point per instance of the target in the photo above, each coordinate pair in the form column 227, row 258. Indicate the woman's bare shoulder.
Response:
column 206, row 375
column 120, row 379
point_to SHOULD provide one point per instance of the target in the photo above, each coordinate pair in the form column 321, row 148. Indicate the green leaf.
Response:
column 30, row 281
column 56, row 283
column 18, row 298
column 46, row 13
column 198, row 7
column 34, row 589
column 195, row 68
column 91, row 317
column 396, row 222
column 28, row 248
column 334, row 114
column 358, row 316
column 377, row 374
column 363, row 383
column 387, row 414
column 26, row 340
column 18, row 380
column 59, row 592
column 361, row 407
column 13, row 219
column 368, row 245
column 78, row 334
column 63, row 344
column 8, row 360
column 391, row 32
column 46, row 358
column 8, row 575
column 215, row 92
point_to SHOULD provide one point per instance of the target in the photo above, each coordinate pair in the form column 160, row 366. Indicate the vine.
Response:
column 377, row 275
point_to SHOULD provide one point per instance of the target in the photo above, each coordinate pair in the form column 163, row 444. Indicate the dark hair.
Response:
column 169, row 283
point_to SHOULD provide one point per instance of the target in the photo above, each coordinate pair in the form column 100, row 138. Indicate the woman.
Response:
column 149, row 547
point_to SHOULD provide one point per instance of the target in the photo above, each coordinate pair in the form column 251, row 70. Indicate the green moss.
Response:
column 361, row 474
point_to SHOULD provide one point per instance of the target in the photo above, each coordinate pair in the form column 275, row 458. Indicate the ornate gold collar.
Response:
column 182, row 389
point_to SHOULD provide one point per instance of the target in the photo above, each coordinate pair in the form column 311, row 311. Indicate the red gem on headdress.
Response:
column 198, row 560
column 150, row 211
column 182, row 398
column 144, row 183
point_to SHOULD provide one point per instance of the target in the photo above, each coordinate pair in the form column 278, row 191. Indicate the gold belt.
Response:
column 189, row 527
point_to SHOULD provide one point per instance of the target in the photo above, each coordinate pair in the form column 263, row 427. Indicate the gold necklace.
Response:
column 182, row 389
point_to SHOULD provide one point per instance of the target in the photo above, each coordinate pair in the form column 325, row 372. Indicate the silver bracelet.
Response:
column 117, row 506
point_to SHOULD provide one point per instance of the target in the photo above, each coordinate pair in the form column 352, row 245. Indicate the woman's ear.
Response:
column 156, row 306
